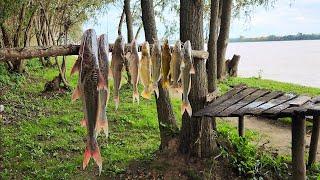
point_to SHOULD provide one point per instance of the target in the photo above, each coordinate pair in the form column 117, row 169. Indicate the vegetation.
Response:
column 296, row 37
column 43, row 137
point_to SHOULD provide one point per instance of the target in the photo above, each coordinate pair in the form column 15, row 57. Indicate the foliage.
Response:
column 298, row 36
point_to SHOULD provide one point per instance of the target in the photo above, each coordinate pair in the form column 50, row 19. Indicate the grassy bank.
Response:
column 42, row 137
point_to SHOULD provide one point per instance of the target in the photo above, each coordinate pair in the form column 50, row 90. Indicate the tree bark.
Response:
column 212, row 47
column 223, row 37
column 197, row 135
column 7, row 44
column 128, row 20
column 167, row 122
column 120, row 23
column 314, row 141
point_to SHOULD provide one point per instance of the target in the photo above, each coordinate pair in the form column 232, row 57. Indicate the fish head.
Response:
column 156, row 49
column 166, row 44
column 119, row 45
column 177, row 46
column 134, row 46
column 187, row 50
column 89, row 49
column 145, row 48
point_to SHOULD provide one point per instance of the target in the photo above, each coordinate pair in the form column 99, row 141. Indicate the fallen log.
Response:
column 13, row 54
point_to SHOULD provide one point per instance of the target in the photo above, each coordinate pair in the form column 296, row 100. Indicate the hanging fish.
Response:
column 156, row 66
column 175, row 65
column 187, row 70
column 103, row 52
column 91, row 82
column 117, row 63
column 166, row 59
column 145, row 71
column 134, row 70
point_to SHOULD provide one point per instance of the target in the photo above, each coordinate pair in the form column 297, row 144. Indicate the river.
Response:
column 287, row 61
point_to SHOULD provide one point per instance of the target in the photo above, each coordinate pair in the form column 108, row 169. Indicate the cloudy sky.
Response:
column 287, row 17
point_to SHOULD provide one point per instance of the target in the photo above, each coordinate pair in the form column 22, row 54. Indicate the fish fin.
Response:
column 76, row 66
column 146, row 94
column 185, row 106
column 83, row 123
column 101, row 83
column 76, row 94
column 116, row 101
column 102, row 124
column 135, row 97
column 156, row 90
column 95, row 155
column 192, row 70
column 165, row 84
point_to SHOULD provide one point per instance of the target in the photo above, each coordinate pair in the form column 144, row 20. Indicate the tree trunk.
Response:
column 7, row 44
column 128, row 20
column 167, row 122
column 212, row 47
column 120, row 23
column 197, row 135
column 223, row 37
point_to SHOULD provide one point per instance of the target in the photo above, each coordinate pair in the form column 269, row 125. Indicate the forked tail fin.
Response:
column 185, row 106
column 156, row 90
column 146, row 93
column 135, row 97
column 116, row 101
column 95, row 154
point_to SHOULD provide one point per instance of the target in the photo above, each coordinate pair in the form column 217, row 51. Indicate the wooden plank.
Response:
column 257, row 102
column 212, row 96
column 243, row 102
column 316, row 99
column 273, row 102
column 236, row 98
column 220, row 100
column 298, row 101
column 301, row 109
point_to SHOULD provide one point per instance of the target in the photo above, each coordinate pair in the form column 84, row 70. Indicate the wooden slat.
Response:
column 257, row 102
column 236, row 98
column 273, row 102
column 220, row 100
column 290, row 111
column 316, row 99
column 298, row 101
column 243, row 102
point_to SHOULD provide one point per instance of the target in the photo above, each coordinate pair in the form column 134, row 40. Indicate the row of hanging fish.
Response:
column 93, row 68
column 161, row 66
column 93, row 90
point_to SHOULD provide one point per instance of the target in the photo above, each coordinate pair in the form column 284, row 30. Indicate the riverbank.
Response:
column 42, row 137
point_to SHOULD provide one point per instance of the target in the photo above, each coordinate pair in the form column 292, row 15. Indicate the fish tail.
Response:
column 135, row 96
column 75, row 94
column 146, row 93
column 185, row 106
column 95, row 154
column 116, row 101
column 156, row 90
column 83, row 123
column 165, row 83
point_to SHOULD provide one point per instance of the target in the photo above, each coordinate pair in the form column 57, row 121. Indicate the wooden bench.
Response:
column 242, row 100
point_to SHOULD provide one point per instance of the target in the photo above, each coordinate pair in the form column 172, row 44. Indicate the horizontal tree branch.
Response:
column 63, row 50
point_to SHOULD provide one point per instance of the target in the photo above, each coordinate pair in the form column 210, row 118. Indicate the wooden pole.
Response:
column 298, row 146
column 314, row 140
column 64, row 50
column 241, row 126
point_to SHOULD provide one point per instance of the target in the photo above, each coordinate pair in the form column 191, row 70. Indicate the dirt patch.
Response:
column 175, row 166
column 274, row 135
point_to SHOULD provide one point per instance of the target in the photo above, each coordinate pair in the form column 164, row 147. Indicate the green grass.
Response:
column 42, row 137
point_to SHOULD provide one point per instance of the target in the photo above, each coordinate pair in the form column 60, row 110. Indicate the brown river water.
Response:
column 286, row 61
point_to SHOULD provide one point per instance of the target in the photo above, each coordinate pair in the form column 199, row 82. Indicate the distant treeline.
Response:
column 298, row 36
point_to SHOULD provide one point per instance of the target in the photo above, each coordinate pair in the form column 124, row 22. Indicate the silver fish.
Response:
column 91, row 82
column 117, row 64
column 156, row 66
column 187, row 70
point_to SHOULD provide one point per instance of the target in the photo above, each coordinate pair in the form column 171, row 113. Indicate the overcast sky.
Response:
column 285, row 18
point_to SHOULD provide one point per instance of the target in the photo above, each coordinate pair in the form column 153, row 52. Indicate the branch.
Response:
column 66, row 50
